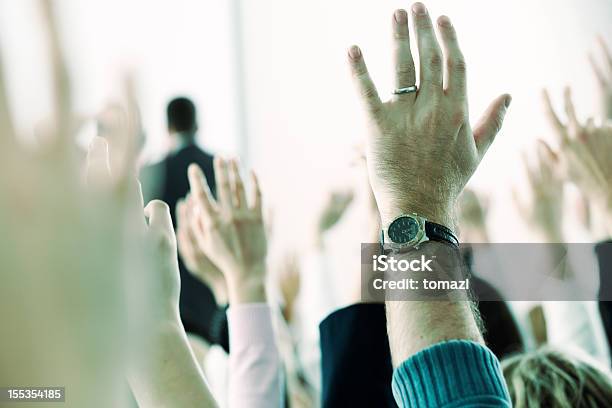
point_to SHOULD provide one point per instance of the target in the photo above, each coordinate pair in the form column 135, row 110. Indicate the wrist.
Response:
column 248, row 287
column 443, row 213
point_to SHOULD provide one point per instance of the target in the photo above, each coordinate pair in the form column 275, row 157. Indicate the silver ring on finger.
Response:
column 407, row 90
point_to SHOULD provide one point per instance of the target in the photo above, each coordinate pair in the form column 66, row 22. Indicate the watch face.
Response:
column 403, row 230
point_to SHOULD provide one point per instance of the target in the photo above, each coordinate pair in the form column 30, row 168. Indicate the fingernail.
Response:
column 444, row 21
column 508, row 101
column 419, row 9
column 401, row 17
column 354, row 52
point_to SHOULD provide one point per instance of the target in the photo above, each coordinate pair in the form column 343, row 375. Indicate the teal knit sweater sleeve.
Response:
column 451, row 374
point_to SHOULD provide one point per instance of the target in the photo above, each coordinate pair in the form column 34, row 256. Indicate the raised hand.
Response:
column 422, row 149
column 584, row 153
column 544, row 211
column 196, row 261
column 289, row 282
column 604, row 78
column 233, row 232
column 335, row 207
column 472, row 217
column 63, row 256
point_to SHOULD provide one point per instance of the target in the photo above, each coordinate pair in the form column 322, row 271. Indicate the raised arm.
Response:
column 231, row 233
column 167, row 373
column 421, row 153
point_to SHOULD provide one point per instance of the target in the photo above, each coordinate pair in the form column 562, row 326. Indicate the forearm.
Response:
column 168, row 374
column 416, row 325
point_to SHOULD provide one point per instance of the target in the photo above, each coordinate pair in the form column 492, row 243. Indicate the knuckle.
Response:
column 404, row 69
column 400, row 35
column 458, row 65
column 435, row 61
column 368, row 92
column 424, row 23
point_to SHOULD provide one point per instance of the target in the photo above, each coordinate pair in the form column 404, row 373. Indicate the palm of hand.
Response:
column 239, row 240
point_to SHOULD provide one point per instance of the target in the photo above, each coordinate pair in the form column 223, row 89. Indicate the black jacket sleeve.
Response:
column 355, row 357
column 604, row 258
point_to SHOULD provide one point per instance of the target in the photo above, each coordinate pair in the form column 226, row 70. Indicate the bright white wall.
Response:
column 173, row 46
column 303, row 115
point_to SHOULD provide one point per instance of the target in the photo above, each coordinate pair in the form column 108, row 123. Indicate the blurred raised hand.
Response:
column 583, row 156
column 543, row 211
column 422, row 149
column 289, row 282
column 233, row 234
column 336, row 205
column 603, row 74
column 472, row 217
column 188, row 230
column 63, row 254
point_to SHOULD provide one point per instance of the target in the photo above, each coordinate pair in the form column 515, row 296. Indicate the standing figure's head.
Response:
column 182, row 119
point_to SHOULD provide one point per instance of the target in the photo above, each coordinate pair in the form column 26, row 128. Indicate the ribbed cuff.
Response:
column 455, row 373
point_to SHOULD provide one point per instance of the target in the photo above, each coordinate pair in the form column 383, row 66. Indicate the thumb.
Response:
column 158, row 214
column 98, row 168
column 490, row 123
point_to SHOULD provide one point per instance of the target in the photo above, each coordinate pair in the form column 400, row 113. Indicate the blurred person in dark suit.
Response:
column 167, row 181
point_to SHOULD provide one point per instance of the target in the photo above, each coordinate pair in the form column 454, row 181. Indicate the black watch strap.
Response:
column 437, row 232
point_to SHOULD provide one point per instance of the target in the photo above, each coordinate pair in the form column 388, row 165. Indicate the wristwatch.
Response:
column 411, row 230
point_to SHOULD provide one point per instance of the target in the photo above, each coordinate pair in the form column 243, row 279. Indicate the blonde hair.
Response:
column 555, row 378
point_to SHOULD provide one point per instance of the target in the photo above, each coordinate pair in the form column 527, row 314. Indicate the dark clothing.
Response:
column 168, row 181
column 604, row 258
column 355, row 355
column 356, row 362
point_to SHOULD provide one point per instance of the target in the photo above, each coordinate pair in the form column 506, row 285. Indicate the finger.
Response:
column 558, row 166
column 181, row 214
column 430, row 56
column 224, row 190
column 606, row 51
column 238, row 192
column 455, row 62
column 368, row 91
column 546, row 153
column 601, row 79
column 590, row 125
column 200, row 191
column 570, row 111
column 129, row 134
column 6, row 119
column 553, row 119
column 491, row 123
column 518, row 202
column 405, row 74
column 256, row 194
column 98, row 168
column 532, row 175
column 62, row 101
column 186, row 224
column 158, row 214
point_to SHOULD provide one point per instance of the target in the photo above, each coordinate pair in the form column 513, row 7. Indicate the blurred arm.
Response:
column 169, row 375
